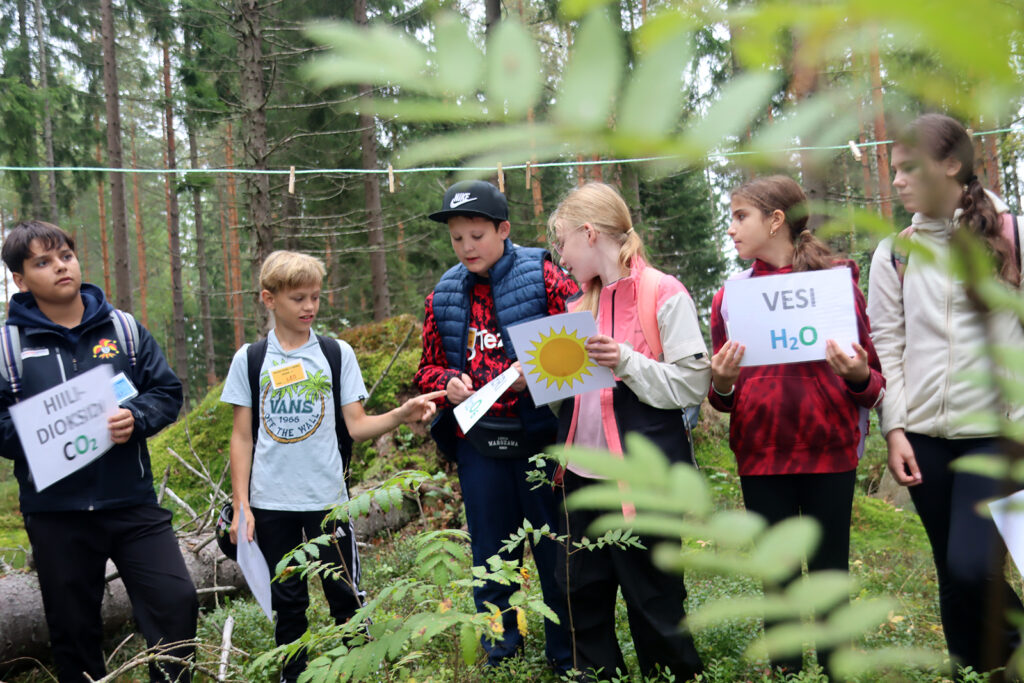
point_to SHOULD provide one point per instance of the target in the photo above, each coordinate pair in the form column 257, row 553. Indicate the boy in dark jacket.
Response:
column 107, row 509
column 496, row 284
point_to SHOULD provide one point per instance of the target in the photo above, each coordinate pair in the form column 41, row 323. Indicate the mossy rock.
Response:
column 205, row 432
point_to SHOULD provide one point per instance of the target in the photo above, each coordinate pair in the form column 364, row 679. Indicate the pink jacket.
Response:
column 650, row 393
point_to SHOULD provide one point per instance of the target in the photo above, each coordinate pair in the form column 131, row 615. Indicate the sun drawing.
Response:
column 559, row 358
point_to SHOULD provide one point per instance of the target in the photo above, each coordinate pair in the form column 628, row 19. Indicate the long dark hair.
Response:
column 941, row 138
column 782, row 193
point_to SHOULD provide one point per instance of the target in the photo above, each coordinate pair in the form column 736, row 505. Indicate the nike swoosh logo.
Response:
column 460, row 202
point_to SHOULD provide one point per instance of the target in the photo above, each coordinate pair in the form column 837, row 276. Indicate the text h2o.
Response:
column 807, row 336
column 80, row 446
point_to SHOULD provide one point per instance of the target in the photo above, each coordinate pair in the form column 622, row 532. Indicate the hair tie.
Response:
column 630, row 231
column 972, row 179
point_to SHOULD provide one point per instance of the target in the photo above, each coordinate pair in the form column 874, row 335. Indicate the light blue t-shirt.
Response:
column 297, row 465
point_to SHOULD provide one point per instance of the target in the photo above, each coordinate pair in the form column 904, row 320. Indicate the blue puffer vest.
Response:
column 520, row 295
column 517, row 284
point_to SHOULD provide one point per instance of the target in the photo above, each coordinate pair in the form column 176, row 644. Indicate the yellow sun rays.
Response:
column 559, row 358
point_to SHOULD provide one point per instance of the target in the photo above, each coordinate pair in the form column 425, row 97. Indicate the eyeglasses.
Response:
column 558, row 243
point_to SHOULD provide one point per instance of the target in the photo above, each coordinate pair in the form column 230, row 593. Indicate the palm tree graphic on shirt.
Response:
column 313, row 390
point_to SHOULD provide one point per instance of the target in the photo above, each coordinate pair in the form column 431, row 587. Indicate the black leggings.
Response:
column 278, row 532
column 969, row 553
column 826, row 497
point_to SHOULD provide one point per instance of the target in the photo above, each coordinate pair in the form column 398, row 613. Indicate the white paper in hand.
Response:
column 1008, row 514
column 64, row 428
column 254, row 567
column 473, row 408
column 788, row 318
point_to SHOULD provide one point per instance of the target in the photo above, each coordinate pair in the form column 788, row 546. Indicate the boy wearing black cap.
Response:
column 496, row 284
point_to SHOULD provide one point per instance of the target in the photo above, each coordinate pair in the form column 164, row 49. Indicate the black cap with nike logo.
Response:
column 472, row 198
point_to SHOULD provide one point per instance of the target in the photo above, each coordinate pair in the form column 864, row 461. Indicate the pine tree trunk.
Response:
column 47, row 115
column 232, row 270
column 115, row 157
column 174, row 235
column 865, row 165
column 206, row 319
column 104, row 242
column 140, row 240
column 881, row 152
column 371, row 189
column 992, row 163
column 35, row 191
column 254, row 137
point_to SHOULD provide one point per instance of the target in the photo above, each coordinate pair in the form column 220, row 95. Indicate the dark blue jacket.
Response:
column 517, row 284
column 121, row 477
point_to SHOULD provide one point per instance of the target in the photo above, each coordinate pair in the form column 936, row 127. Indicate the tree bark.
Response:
column 254, row 133
column 35, row 191
column 174, row 235
column 140, row 238
column 115, row 157
column 881, row 153
column 231, row 266
column 104, row 242
column 371, row 189
column 47, row 115
column 206, row 319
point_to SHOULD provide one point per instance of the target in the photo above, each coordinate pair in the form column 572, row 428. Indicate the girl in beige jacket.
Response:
column 929, row 334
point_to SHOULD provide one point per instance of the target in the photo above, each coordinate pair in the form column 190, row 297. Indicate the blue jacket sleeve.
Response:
column 160, row 393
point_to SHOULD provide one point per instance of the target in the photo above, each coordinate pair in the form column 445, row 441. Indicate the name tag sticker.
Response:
column 123, row 388
column 284, row 375
column 34, row 353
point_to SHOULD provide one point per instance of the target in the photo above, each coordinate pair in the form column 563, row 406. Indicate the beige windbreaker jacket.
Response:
column 930, row 337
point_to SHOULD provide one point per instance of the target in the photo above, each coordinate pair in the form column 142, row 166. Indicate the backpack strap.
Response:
column 127, row 331
column 10, row 356
column 647, row 305
column 899, row 256
column 332, row 352
column 254, row 356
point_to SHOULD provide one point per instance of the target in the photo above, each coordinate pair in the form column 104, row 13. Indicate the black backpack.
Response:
column 255, row 355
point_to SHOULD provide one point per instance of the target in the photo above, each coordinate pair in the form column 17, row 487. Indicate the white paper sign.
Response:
column 1008, row 514
column 473, row 408
column 788, row 318
column 554, row 361
column 64, row 428
column 254, row 567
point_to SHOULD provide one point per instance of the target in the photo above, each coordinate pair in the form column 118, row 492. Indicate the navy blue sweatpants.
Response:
column 497, row 499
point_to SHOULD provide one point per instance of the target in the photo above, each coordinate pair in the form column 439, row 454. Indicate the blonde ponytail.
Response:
column 602, row 207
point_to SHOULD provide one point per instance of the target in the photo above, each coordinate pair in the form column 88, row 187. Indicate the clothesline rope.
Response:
column 452, row 169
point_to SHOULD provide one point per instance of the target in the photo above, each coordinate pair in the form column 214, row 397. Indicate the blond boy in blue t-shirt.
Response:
column 285, row 482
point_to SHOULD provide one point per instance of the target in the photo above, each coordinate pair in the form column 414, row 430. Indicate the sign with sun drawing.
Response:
column 554, row 361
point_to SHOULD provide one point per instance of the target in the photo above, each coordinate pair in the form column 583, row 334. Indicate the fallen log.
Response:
column 23, row 631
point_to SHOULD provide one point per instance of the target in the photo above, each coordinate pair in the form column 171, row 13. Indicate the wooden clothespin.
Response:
column 501, row 179
column 528, row 174
column 391, row 179
column 855, row 150
column 291, row 180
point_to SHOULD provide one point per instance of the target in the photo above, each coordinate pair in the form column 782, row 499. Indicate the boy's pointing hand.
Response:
column 420, row 408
